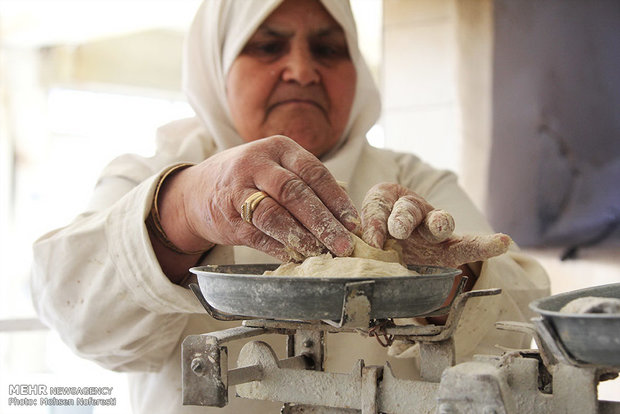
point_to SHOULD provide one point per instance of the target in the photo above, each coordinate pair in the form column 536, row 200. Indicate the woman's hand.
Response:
column 305, row 214
column 390, row 210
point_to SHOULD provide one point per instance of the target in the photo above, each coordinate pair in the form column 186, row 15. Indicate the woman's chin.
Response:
column 311, row 137
column 316, row 143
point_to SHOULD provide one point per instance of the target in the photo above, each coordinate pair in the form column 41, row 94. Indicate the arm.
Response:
column 104, row 281
column 305, row 214
column 96, row 283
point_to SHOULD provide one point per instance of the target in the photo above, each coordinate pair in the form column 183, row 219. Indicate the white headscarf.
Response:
column 220, row 30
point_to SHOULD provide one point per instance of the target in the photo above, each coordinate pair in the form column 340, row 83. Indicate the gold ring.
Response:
column 250, row 204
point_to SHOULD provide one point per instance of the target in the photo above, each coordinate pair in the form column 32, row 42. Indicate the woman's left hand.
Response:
column 391, row 210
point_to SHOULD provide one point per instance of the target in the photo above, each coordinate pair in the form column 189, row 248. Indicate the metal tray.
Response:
column 591, row 338
column 242, row 290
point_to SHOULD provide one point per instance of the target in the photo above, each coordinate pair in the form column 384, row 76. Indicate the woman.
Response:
column 275, row 85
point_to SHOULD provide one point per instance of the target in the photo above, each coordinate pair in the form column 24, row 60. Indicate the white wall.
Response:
column 420, row 98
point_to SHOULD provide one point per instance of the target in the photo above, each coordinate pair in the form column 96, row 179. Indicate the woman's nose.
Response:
column 300, row 66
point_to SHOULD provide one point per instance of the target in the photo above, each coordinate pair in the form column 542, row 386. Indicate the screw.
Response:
column 198, row 366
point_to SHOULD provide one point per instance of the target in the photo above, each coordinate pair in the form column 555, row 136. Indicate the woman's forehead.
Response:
column 284, row 31
column 291, row 13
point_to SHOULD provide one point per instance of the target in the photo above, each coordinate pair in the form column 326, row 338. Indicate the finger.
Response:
column 479, row 248
column 324, row 185
column 256, row 239
column 275, row 221
column 376, row 209
column 468, row 249
column 406, row 215
column 294, row 195
column 437, row 226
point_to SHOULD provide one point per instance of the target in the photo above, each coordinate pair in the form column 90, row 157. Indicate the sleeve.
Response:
column 520, row 277
column 521, row 280
column 98, row 283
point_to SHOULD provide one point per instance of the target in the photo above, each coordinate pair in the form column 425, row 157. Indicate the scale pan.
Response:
column 242, row 290
column 591, row 338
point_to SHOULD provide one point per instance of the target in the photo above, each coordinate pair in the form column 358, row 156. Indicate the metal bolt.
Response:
column 446, row 408
column 308, row 343
column 198, row 366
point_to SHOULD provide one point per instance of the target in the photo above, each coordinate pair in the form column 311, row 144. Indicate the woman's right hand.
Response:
column 306, row 213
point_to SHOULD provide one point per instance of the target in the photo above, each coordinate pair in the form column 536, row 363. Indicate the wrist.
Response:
column 167, row 218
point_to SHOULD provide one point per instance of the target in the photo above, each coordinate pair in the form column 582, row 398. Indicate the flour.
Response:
column 392, row 253
column 366, row 261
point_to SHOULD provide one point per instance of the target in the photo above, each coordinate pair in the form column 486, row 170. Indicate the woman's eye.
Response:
column 330, row 51
column 271, row 48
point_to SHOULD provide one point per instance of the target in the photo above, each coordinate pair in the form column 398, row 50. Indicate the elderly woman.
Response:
column 283, row 100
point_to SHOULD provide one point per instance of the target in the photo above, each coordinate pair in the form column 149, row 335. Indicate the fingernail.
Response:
column 343, row 245
column 505, row 239
column 497, row 244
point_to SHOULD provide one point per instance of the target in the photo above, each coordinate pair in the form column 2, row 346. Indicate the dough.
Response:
column 366, row 261
column 393, row 252
column 592, row 304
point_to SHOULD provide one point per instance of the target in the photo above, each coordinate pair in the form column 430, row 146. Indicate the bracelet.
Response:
column 154, row 221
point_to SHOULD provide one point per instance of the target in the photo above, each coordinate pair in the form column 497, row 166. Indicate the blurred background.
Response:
column 520, row 99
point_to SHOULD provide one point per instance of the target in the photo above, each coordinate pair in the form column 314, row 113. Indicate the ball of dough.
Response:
column 366, row 261
column 592, row 304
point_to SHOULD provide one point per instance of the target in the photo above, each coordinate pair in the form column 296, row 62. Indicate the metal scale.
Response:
column 575, row 352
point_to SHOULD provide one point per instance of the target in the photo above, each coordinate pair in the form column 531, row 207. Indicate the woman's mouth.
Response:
column 302, row 103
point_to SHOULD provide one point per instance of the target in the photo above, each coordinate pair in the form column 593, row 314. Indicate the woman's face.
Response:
column 294, row 77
